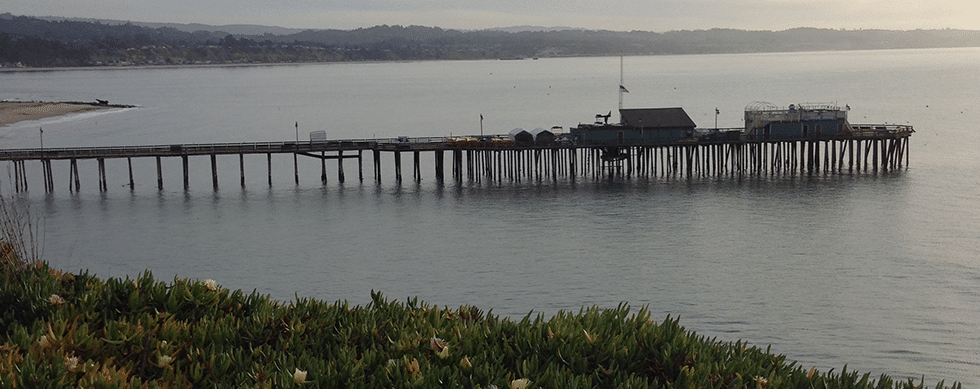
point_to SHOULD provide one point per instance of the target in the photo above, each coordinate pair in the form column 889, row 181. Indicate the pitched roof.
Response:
column 656, row 118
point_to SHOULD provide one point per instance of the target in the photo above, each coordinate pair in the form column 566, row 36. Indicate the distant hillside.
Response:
column 236, row 29
column 35, row 42
column 531, row 28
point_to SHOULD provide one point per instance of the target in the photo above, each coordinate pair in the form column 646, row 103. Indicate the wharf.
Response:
column 866, row 147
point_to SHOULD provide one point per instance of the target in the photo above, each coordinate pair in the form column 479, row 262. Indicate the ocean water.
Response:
column 878, row 271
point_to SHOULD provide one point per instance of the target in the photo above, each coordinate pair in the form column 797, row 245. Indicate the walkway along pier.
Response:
column 725, row 152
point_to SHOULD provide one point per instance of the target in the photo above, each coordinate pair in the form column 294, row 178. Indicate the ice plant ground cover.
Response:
column 76, row 330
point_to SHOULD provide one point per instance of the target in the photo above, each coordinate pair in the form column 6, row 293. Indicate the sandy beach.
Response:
column 15, row 111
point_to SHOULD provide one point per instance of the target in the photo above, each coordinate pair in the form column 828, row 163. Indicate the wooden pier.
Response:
column 882, row 148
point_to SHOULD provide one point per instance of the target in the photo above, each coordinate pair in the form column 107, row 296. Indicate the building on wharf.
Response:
column 651, row 142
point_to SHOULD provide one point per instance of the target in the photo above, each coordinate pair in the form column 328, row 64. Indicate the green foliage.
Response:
column 79, row 331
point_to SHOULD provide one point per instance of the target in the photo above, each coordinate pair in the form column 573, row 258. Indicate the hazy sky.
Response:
column 620, row 15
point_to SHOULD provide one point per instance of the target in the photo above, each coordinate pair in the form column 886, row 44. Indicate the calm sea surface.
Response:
column 877, row 271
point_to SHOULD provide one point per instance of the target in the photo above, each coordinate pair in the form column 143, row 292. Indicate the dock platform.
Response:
column 866, row 148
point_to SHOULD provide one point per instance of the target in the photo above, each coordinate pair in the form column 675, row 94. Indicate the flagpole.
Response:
column 620, row 88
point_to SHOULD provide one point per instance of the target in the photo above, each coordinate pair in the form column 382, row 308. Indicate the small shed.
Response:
column 318, row 136
column 520, row 135
column 543, row 136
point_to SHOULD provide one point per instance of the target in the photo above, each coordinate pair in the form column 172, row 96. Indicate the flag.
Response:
column 623, row 89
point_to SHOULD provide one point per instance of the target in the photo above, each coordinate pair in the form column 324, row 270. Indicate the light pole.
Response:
column 716, row 117
column 296, row 156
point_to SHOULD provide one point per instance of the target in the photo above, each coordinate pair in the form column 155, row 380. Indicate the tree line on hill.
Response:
column 34, row 42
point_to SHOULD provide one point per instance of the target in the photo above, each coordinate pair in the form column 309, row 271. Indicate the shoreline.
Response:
column 17, row 111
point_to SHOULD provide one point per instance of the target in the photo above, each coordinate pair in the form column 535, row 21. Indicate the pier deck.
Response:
column 868, row 147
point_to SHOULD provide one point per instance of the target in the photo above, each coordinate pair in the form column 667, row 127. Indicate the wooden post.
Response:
column 16, row 175
column 416, row 170
column 269, row 159
column 440, row 160
column 377, row 165
column 187, row 181
column 214, row 171
column 241, row 166
column 360, row 166
column 102, row 181
column 398, row 166
column 72, row 174
column 159, row 174
column 44, row 175
column 874, row 158
column 296, row 167
column 323, row 167
column 340, row 166
column 132, row 184
column 23, row 174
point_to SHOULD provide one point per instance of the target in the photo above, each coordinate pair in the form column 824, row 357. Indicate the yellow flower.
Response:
column 412, row 367
column 299, row 376
column 520, row 383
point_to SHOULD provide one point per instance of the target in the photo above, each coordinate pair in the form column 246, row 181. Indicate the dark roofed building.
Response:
column 656, row 118
column 638, row 126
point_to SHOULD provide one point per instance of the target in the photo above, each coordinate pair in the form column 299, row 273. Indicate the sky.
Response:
column 617, row 15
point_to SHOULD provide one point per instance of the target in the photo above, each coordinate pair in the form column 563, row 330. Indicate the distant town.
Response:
column 35, row 42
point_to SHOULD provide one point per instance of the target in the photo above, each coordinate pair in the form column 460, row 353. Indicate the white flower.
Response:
column 71, row 363
column 299, row 376
column 43, row 341
column 164, row 360
column 520, row 383
column 211, row 284
column 56, row 300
